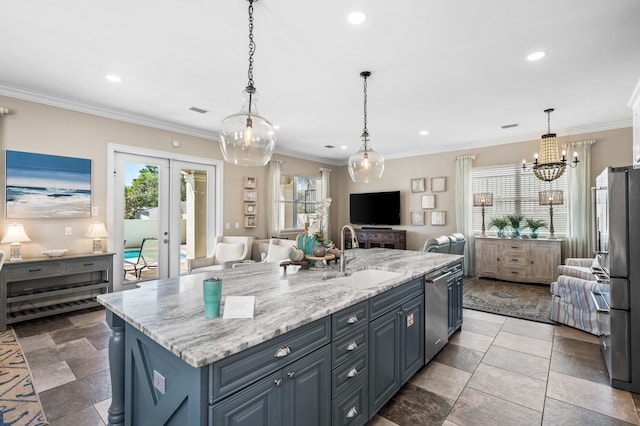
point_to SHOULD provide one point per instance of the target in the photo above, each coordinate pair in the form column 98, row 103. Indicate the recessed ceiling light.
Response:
column 357, row 18
column 344, row 147
column 113, row 78
column 424, row 132
column 536, row 56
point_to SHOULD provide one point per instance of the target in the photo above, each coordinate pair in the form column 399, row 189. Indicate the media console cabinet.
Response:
column 39, row 287
column 379, row 237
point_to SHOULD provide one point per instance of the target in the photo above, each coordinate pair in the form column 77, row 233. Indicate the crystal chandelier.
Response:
column 366, row 164
column 548, row 165
column 247, row 138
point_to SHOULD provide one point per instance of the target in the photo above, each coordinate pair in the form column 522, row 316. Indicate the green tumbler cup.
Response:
column 212, row 293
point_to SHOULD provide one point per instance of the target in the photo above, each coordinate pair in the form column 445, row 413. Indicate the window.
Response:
column 299, row 197
column 516, row 191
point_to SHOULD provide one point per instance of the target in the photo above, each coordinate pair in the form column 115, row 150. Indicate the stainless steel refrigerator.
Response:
column 618, row 236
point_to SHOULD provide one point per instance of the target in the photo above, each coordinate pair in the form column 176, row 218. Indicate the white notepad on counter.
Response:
column 239, row 306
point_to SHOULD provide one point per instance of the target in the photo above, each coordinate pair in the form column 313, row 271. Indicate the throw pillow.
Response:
column 228, row 251
column 277, row 252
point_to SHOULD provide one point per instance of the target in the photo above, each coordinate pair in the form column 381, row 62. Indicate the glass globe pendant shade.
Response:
column 366, row 164
column 247, row 138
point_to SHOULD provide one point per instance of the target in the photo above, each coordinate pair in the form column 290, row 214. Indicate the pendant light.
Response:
column 366, row 164
column 247, row 138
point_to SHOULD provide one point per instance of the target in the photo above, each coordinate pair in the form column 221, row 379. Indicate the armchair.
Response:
column 226, row 251
column 437, row 245
column 572, row 303
column 457, row 243
column 584, row 268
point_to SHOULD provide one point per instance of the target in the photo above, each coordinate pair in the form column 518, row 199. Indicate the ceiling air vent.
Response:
column 508, row 126
column 198, row 110
column 329, row 146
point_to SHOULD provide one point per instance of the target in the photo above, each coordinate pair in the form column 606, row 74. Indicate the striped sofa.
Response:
column 572, row 304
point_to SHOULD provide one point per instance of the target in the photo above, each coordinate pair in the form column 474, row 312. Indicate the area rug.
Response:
column 527, row 301
column 19, row 402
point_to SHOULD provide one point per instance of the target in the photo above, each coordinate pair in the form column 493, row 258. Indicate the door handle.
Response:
column 165, row 241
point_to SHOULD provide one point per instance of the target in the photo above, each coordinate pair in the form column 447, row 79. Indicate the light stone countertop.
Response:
column 171, row 311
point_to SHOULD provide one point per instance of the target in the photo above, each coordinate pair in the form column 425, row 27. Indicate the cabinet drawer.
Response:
column 514, row 260
column 352, row 407
column 349, row 372
column 514, row 247
column 86, row 265
column 513, row 272
column 348, row 319
column 33, row 271
column 382, row 303
column 239, row 370
column 347, row 346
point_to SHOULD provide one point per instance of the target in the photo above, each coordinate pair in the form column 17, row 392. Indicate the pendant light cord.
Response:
column 252, row 49
column 365, row 132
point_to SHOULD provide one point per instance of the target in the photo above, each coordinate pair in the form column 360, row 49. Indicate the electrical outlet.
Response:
column 227, row 226
column 237, row 225
column 159, row 382
column 94, row 211
column 68, row 230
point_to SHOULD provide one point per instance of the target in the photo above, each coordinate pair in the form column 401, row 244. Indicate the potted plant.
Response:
column 534, row 225
column 515, row 221
column 500, row 223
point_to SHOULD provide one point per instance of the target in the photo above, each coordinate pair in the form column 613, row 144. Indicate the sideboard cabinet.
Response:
column 34, row 288
column 520, row 260
column 383, row 238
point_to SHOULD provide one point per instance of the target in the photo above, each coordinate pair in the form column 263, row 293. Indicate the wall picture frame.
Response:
column 438, row 218
column 438, row 184
column 428, row 201
column 417, row 218
column 250, row 195
column 250, row 208
column 418, row 185
column 250, row 221
column 250, row 182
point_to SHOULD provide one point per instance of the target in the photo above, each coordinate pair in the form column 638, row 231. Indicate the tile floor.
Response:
column 496, row 371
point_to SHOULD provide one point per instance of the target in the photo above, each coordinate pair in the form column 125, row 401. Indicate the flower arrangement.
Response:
column 534, row 225
column 515, row 221
column 316, row 226
column 500, row 223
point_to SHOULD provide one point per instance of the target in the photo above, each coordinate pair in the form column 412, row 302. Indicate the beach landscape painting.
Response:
column 47, row 186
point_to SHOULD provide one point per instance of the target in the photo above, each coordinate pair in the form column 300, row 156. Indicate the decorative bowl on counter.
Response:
column 54, row 252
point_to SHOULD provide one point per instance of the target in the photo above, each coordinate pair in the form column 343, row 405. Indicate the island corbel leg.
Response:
column 116, row 367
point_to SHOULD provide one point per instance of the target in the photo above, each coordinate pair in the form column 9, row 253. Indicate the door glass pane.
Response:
column 193, row 215
column 140, row 222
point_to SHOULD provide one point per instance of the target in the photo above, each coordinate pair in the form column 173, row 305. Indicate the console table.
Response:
column 521, row 260
column 383, row 238
column 39, row 287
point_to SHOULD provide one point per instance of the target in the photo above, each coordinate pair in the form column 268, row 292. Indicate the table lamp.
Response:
column 483, row 199
column 552, row 197
column 97, row 232
column 15, row 235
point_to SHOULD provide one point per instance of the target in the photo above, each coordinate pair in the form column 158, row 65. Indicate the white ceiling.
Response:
column 456, row 68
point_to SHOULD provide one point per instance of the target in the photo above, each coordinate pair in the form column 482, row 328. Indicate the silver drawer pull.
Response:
column 353, row 372
column 283, row 351
column 352, row 412
column 291, row 374
column 35, row 270
column 278, row 382
column 352, row 346
column 88, row 264
column 352, row 319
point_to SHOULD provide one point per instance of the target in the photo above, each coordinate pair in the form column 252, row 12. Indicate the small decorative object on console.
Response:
column 54, row 252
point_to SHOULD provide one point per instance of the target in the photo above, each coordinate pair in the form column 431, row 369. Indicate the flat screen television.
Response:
column 375, row 208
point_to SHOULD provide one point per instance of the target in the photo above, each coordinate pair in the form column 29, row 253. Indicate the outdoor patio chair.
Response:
column 147, row 258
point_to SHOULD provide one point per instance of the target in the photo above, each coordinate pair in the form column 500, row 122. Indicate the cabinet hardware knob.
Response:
column 291, row 374
column 35, row 270
column 352, row 412
column 352, row 346
column 352, row 319
column 278, row 382
column 283, row 351
column 353, row 372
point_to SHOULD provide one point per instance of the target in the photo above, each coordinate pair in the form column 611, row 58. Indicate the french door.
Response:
column 165, row 211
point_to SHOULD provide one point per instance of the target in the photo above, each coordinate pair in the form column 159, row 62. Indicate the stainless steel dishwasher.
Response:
column 436, row 307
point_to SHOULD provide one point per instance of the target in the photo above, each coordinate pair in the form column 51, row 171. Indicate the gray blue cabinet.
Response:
column 455, row 298
column 396, row 341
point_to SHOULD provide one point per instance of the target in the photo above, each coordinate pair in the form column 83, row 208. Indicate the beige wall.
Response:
column 34, row 127
column 612, row 148
column 39, row 128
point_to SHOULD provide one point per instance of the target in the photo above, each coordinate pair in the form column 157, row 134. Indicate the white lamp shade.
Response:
column 97, row 230
column 15, row 234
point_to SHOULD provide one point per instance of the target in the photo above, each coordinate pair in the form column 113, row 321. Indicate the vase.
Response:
column 319, row 250
column 533, row 234
column 305, row 243
column 500, row 233
column 515, row 233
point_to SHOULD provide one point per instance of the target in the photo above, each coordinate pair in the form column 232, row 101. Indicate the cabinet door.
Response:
column 487, row 258
column 451, row 308
column 458, row 302
column 412, row 338
column 545, row 258
column 384, row 362
column 259, row 405
column 307, row 390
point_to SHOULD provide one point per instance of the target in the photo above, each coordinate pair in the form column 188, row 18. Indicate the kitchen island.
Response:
column 311, row 349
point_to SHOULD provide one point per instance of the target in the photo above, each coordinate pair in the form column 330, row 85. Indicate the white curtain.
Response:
column 464, row 209
column 273, row 198
column 325, row 175
column 579, row 233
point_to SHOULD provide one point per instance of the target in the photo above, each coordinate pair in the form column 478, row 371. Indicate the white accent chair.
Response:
column 277, row 251
column 226, row 251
